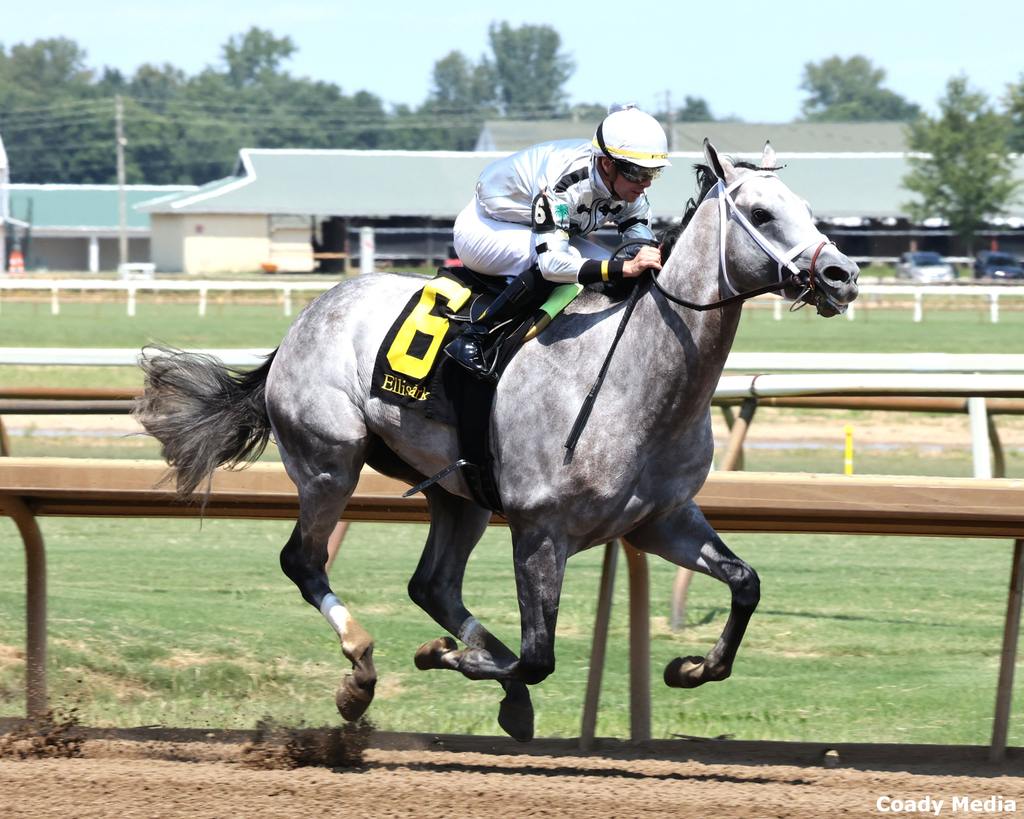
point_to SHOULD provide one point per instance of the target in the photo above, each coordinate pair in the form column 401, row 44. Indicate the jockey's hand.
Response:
column 649, row 258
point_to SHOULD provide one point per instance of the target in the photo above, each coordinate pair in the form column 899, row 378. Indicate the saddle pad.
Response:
column 406, row 367
column 403, row 372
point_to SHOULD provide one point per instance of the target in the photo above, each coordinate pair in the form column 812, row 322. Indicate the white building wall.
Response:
column 225, row 243
column 167, row 242
column 291, row 247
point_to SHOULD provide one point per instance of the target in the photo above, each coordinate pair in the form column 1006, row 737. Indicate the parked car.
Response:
column 925, row 266
column 994, row 264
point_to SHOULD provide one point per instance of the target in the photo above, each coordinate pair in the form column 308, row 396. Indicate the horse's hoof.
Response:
column 353, row 700
column 515, row 714
column 429, row 654
column 685, row 672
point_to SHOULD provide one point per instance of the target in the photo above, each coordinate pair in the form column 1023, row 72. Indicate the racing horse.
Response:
column 644, row 454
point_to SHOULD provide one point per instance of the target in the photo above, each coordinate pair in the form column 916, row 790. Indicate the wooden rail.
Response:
column 120, row 400
column 736, row 501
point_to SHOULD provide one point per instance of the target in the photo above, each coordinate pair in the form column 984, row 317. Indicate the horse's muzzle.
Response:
column 829, row 282
column 836, row 288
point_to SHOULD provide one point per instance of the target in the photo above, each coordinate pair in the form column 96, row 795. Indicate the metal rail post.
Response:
column 998, row 456
column 982, row 455
column 639, row 645
column 598, row 646
column 35, row 604
column 1008, row 658
column 733, row 458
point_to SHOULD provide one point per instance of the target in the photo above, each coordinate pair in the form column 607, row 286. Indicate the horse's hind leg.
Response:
column 456, row 526
column 688, row 540
column 322, row 499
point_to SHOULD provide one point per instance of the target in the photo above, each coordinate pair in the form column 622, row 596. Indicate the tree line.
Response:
column 57, row 113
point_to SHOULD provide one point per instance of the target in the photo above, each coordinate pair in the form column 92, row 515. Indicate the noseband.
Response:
column 727, row 210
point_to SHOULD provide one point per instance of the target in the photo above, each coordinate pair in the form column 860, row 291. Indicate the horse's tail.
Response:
column 203, row 413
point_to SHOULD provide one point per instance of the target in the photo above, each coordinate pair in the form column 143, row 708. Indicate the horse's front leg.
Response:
column 540, row 569
column 686, row 539
column 539, row 562
column 456, row 526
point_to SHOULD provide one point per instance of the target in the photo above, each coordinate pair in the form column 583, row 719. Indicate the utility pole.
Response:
column 122, row 204
column 670, row 117
column 4, row 206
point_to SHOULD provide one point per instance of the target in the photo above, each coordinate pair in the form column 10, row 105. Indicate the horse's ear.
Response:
column 768, row 157
column 721, row 165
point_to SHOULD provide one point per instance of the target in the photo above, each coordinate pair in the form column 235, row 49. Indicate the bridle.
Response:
column 727, row 210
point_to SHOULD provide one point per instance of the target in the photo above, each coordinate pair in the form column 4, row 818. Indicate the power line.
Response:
column 354, row 109
column 63, row 104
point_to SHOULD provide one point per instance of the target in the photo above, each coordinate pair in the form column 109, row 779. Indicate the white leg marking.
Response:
column 339, row 618
column 336, row 613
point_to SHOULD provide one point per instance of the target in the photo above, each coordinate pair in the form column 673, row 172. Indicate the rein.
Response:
column 793, row 278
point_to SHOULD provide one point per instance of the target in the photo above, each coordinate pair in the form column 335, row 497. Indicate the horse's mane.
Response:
column 706, row 180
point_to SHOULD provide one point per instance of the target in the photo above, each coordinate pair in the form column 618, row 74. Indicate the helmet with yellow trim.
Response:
column 629, row 135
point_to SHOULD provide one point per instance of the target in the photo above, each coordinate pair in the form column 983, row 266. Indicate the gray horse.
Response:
column 643, row 456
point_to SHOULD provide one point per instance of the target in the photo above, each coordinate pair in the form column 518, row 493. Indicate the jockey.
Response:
column 533, row 208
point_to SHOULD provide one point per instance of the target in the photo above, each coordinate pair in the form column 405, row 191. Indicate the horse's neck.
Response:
column 686, row 349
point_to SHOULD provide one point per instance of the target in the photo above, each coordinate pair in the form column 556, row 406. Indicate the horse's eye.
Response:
column 760, row 216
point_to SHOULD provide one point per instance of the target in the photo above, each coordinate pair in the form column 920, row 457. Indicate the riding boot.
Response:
column 467, row 349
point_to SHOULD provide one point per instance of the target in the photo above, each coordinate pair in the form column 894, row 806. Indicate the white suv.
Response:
column 925, row 266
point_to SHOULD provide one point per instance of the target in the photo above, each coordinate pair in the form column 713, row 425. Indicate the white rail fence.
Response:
column 987, row 294
column 129, row 289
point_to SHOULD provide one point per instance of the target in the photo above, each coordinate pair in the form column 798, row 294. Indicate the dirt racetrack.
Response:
column 166, row 773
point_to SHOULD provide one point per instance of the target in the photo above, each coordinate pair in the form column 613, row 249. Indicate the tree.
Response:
column 695, row 109
column 851, row 91
column 588, row 112
column 1015, row 112
column 459, row 85
column 530, row 73
column 157, row 83
column 56, row 125
column 53, row 65
column 254, row 55
column 964, row 175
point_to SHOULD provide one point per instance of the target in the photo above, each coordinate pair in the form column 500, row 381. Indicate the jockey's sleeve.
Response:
column 559, row 262
column 556, row 259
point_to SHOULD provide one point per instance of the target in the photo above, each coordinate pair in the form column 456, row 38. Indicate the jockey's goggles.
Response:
column 636, row 173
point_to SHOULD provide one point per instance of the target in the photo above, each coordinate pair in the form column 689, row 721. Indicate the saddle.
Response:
column 411, row 372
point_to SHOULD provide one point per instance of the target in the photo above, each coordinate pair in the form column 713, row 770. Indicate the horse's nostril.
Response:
column 838, row 275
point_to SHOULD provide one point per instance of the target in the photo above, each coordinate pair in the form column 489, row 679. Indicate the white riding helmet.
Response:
column 629, row 135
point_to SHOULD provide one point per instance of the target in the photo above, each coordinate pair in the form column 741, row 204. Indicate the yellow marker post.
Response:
column 848, row 453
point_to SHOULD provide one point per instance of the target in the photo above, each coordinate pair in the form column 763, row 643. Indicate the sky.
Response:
column 745, row 58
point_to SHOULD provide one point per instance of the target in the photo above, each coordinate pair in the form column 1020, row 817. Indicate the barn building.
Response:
column 300, row 210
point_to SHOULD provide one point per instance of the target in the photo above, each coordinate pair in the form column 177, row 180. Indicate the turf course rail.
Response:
column 732, row 501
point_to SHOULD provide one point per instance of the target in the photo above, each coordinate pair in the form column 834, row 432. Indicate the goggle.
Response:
column 636, row 173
